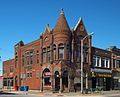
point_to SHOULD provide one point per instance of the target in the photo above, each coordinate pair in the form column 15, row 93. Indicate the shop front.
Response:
column 101, row 79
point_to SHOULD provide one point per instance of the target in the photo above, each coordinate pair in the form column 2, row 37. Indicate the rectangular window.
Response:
column 11, row 69
column 4, row 70
column 23, row 60
column 61, row 53
column 98, row 62
column 68, row 53
column 27, row 57
column 103, row 62
column 107, row 63
column 118, row 63
column 37, row 74
column 31, row 57
column 5, row 82
column 48, row 53
column 16, row 61
column 44, row 55
column 54, row 53
column 37, row 57
column 94, row 61
column 85, row 57
column 30, row 74
column 75, row 54
column 114, row 63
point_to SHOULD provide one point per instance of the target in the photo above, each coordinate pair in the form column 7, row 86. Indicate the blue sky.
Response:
column 26, row 20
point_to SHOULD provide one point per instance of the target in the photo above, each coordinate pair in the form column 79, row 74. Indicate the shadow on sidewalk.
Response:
column 5, row 93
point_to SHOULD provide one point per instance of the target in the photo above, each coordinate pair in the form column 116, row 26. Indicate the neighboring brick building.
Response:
column 101, row 69
column 8, row 72
column 52, row 62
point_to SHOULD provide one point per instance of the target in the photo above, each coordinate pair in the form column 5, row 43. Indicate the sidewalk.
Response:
column 38, row 93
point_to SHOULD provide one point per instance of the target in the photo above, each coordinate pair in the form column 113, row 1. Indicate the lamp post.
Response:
column 82, row 43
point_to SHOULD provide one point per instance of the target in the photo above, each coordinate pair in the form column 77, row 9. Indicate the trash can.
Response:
column 22, row 88
column 26, row 88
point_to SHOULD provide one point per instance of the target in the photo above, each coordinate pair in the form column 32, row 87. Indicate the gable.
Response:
column 79, row 29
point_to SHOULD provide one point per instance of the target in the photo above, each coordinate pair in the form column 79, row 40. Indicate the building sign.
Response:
column 11, row 74
column 103, row 75
column 95, row 74
column 47, row 74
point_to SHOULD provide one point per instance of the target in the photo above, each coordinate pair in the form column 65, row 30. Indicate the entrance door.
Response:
column 108, row 83
column 57, row 81
column 65, row 80
column 94, row 82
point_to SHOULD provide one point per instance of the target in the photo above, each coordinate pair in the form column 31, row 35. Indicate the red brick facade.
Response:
column 53, row 61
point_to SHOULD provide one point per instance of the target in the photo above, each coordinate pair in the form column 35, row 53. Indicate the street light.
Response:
column 82, row 42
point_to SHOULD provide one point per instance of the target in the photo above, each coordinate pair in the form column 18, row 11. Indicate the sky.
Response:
column 26, row 20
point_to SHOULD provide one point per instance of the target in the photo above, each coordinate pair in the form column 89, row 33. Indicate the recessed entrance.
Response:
column 57, row 81
column 65, row 80
column 46, row 77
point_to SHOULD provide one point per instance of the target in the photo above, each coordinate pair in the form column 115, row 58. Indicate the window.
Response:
column 85, row 57
column 44, row 55
column 68, row 52
column 118, row 63
column 75, row 54
column 61, row 51
column 11, row 69
column 37, row 57
column 114, row 63
column 31, row 57
column 4, row 70
column 54, row 52
column 5, row 82
column 94, row 61
column 107, row 63
column 30, row 74
column 16, row 61
column 27, row 57
column 48, row 54
column 103, row 62
column 37, row 74
column 98, row 64
column 23, row 60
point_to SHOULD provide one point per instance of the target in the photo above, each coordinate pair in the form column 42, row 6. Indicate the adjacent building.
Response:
column 53, row 62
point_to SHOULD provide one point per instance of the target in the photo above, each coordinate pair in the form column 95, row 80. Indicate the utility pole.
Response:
column 82, row 44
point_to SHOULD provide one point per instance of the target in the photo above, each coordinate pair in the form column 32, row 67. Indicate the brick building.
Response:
column 53, row 62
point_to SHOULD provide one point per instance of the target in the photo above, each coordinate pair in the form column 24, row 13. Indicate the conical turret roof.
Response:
column 61, row 24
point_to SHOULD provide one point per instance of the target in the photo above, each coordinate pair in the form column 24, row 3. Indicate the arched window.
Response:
column 61, row 51
column 68, row 52
column 44, row 55
column 54, row 52
column 48, row 54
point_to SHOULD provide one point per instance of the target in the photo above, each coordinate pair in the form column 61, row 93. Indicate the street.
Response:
column 54, row 95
